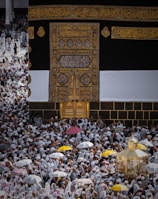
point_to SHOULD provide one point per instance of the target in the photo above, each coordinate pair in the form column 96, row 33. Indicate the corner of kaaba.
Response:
column 79, row 99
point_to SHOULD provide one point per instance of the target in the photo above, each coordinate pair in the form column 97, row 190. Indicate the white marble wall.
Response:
column 123, row 86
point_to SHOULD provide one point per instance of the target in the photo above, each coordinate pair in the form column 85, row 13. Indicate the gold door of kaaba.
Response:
column 74, row 67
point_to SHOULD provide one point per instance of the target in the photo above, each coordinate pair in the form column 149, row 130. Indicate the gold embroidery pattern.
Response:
column 29, row 79
column 41, row 31
column 29, row 48
column 118, row 13
column 29, row 92
column 74, row 59
column 136, row 33
column 30, row 64
column 31, row 32
column 105, row 32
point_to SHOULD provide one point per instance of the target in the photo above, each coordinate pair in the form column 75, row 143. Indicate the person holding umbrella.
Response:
column 73, row 129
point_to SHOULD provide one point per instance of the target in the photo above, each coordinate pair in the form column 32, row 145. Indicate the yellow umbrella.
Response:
column 119, row 187
column 141, row 146
column 108, row 152
column 64, row 148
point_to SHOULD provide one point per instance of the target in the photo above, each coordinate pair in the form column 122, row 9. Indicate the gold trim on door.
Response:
column 74, row 62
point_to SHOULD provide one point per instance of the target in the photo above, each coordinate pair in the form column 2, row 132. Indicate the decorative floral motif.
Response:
column 70, row 43
column 29, row 79
column 29, row 92
column 31, row 32
column 62, row 79
column 61, row 43
column 78, row 43
column 85, row 79
column 40, row 31
column 105, row 32
column 29, row 48
column 87, row 43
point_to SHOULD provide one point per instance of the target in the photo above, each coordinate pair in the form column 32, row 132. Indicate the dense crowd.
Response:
column 31, row 165
column 38, row 143
column 13, row 40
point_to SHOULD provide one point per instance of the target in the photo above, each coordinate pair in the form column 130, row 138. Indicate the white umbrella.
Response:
column 81, row 159
column 152, row 167
column 23, row 162
column 32, row 179
column 84, row 145
column 56, row 155
column 146, row 143
column 58, row 174
column 84, row 181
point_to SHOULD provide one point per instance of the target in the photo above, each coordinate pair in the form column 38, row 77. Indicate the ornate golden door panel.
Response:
column 74, row 63
column 74, row 109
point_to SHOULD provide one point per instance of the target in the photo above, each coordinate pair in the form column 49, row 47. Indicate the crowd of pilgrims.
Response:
column 37, row 140
column 14, row 38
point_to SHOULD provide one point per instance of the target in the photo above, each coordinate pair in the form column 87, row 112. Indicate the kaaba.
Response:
column 96, row 55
